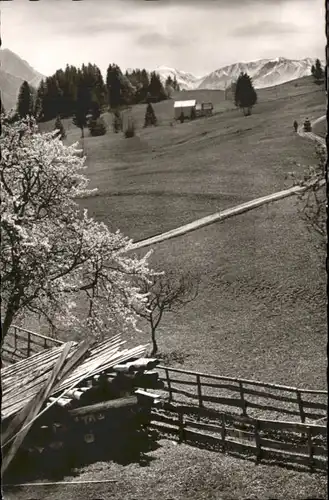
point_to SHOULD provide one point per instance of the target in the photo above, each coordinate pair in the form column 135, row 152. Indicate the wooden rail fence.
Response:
column 274, row 440
column 248, row 397
column 21, row 343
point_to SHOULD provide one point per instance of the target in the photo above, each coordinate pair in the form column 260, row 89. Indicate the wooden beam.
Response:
column 35, row 407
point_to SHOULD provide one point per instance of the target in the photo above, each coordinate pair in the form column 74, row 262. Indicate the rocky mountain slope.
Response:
column 13, row 71
column 264, row 73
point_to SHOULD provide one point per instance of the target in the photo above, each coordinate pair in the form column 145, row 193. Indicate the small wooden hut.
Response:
column 184, row 108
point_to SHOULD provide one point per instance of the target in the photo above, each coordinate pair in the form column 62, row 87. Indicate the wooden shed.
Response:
column 184, row 107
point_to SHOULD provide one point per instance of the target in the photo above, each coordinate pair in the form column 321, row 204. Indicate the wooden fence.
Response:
column 274, row 440
column 21, row 343
column 247, row 397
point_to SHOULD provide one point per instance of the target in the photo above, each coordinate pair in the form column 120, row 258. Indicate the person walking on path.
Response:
column 295, row 125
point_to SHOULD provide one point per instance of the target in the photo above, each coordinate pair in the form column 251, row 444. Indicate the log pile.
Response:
column 75, row 392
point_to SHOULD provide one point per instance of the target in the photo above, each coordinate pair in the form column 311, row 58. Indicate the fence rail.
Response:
column 281, row 441
column 248, row 396
column 21, row 343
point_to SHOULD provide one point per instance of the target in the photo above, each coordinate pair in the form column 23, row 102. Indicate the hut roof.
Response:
column 185, row 104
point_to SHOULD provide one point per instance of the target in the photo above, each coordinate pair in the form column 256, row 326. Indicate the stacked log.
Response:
column 92, row 401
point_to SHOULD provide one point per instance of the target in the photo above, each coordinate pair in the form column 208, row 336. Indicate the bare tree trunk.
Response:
column 154, row 343
column 9, row 317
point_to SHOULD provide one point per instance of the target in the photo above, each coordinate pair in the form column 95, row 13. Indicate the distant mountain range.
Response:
column 13, row 72
column 264, row 73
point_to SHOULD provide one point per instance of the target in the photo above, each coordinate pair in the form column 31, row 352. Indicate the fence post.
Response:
column 258, row 443
column 301, row 410
column 223, row 432
column 300, row 405
column 198, row 381
column 181, row 432
column 169, row 385
column 243, row 402
column 310, row 446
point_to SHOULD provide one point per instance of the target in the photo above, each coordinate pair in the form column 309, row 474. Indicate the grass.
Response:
column 180, row 472
column 261, row 309
column 260, row 312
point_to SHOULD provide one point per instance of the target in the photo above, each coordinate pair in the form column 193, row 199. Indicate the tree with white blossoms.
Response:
column 52, row 255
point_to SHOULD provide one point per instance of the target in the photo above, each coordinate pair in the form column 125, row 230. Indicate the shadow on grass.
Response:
column 209, row 444
column 54, row 465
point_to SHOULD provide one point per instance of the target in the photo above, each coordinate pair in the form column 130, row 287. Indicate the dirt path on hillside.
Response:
column 239, row 209
column 311, row 135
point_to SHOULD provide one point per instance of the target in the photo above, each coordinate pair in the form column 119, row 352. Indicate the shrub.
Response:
column 97, row 127
column 59, row 126
column 150, row 118
column 130, row 130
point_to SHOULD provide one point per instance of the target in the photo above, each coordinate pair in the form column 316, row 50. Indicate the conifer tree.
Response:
column 245, row 94
column 317, row 72
column 175, row 84
column 150, row 118
column 81, row 108
column 113, row 84
column 156, row 89
column 25, row 100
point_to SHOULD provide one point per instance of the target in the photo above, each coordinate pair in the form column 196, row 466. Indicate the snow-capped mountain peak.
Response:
column 264, row 73
column 185, row 80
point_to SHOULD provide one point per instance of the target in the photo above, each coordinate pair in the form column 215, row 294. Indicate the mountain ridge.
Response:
column 264, row 73
column 13, row 72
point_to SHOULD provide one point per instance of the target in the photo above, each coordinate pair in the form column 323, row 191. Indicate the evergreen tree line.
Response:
column 81, row 91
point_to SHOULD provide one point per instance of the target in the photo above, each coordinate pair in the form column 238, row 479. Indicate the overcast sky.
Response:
column 198, row 36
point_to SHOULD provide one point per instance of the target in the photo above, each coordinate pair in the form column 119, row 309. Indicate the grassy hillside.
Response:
column 261, row 308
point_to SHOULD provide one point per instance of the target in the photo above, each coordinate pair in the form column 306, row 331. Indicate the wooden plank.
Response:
column 128, row 401
column 217, row 441
column 18, row 419
column 56, row 341
column 265, row 394
column 203, row 426
column 223, row 401
column 284, row 446
column 176, row 381
column 96, row 364
column 163, row 427
column 299, row 459
column 217, row 385
column 164, row 418
column 271, row 408
column 296, row 427
column 35, row 407
column 314, row 416
column 76, row 358
column 245, row 381
column 317, row 406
